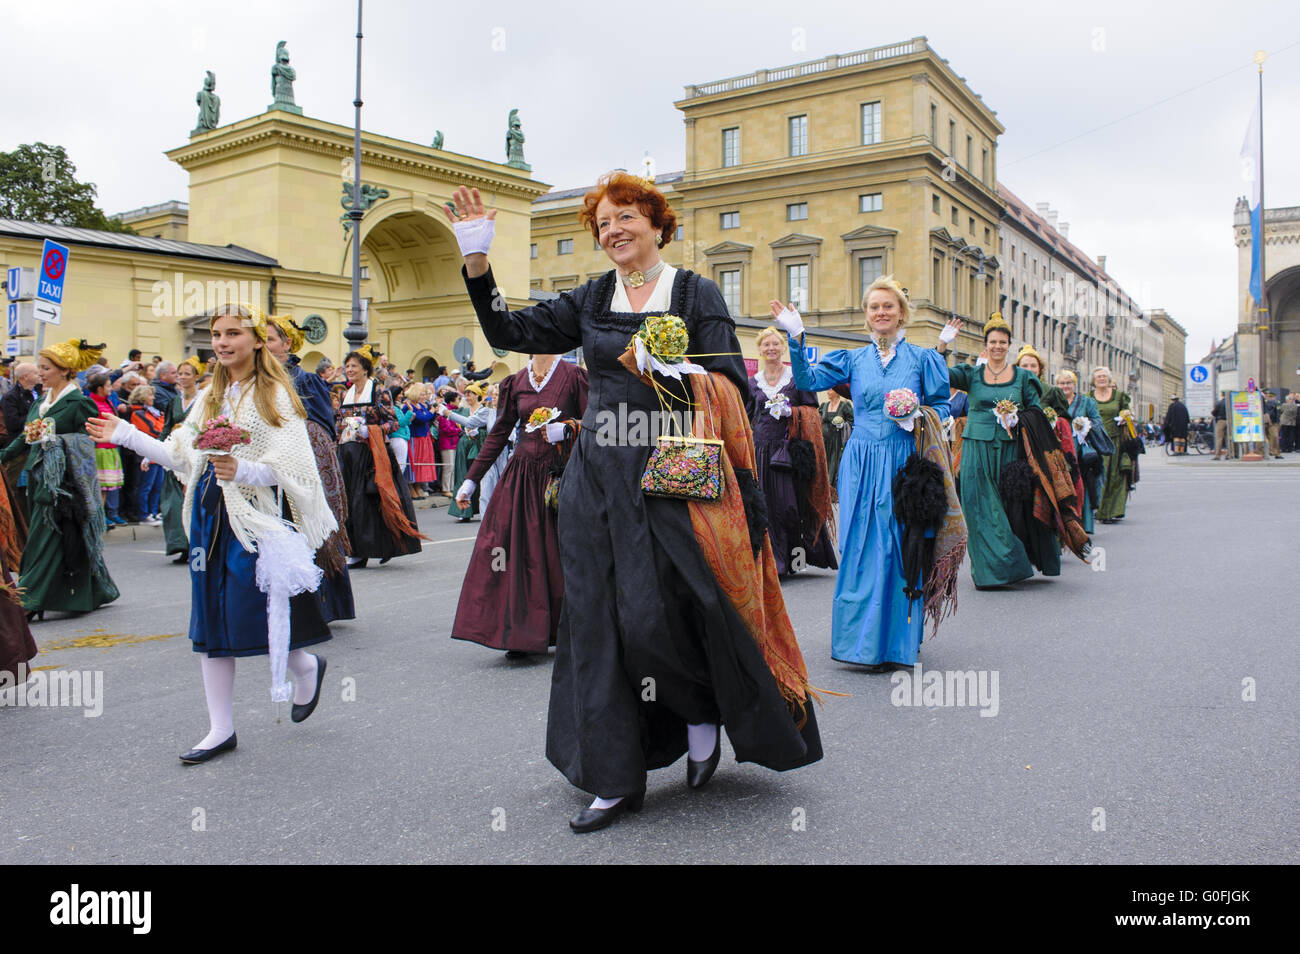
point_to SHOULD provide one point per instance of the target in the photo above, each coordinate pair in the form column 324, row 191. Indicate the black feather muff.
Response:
column 919, row 496
column 1092, row 467
column 1132, row 447
column 1072, row 463
column 755, row 503
column 803, row 460
column 1016, row 483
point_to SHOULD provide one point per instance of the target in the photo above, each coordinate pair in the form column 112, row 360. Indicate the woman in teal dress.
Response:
column 1091, row 446
column 997, row 556
column 63, row 562
column 873, row 623
column 1110, row 402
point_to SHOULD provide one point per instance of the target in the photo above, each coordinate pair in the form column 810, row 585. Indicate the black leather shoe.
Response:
column 384, row 560
column 699, row 773
column 195, row 756
column 359, row 566
column 300, row 713
column 594, row 819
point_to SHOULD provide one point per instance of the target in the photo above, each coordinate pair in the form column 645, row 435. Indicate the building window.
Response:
column 934, row 124
column 680, row 233
column 936, row 279
column 988, row 236
column 952, row 138
column 729, row 283
column 796, row 212
column 970, row 145
column 934, row 204
column 955, row 219
column 796, row 286
column 871, row 202
column 972, row 226
column 564, row 247
column 870, row 123
column 870, row 268
column 984, row 166
column 532, row 250
column 798, row 135
column 731, row 146
column 730, row 220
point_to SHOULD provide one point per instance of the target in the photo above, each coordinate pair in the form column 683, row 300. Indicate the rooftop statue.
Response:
column 515, row 143
column 209, row 105
column 282, row 77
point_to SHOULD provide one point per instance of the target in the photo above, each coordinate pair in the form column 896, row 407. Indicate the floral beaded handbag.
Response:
column 685, row 468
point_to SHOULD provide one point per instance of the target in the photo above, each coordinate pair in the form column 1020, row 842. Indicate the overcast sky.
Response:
column 114, row 83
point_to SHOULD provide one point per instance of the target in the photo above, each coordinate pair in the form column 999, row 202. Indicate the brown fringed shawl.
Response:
column 950, row 539
column 1055, row 503
column 390, row 504
column 750, row 583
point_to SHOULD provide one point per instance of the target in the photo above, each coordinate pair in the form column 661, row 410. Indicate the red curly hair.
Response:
column 622, row 188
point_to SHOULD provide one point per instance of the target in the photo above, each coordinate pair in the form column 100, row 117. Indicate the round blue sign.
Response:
column 1199, row 373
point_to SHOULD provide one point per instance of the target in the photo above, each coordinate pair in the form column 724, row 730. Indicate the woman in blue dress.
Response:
column 1090, row 449
column 870, row 621
column 262, row 499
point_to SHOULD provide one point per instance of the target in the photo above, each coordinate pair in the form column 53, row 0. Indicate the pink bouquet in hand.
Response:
column 903, row 407
column 220, row 434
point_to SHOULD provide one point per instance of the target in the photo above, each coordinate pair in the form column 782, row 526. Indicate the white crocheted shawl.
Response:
column 255, row 511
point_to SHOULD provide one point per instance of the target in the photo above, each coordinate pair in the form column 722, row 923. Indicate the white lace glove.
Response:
column 555, row 432
column 948, row 334
column 981, row 360
column 475, row 235
column 790, row 322
column 948, row 427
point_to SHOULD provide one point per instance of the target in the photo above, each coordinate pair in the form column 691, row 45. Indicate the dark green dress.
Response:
column 172, row 498
column 836, row 436
column 997, row 557
column 48, row 579
column 1114, row 493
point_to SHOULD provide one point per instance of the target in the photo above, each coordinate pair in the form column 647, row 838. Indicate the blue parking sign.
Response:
column 54, row 268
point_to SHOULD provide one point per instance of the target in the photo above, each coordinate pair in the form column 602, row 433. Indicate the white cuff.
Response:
column 253, row 473
column 467, row 489
column 981, row 360
column 790, row 322
column 555, row 432
column 949, row 333
column 475, row 235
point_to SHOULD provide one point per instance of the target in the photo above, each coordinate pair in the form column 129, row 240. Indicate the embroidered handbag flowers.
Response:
column 541, row 417
column 220, row 434
column 1006, row 413
column 665, row 337
column 686, row 468
column 39, row 430
column 903, row 407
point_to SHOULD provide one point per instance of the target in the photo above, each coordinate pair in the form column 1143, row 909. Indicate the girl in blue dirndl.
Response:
column 256, row 515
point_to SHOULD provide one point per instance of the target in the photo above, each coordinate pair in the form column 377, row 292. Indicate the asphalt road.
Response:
column 1121, row 733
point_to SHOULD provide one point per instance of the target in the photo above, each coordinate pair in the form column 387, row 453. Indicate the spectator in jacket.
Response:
column 1175, row 426
column 148, row 492
column 164, row 386
column 1222, row 435
column 15, row 406
column 1286, row 417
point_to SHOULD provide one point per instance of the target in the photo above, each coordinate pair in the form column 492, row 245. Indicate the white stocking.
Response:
column 303, row 666
column 700, row 740
column 604, row 803
column 219, row 687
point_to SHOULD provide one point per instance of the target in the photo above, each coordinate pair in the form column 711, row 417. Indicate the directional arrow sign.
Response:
column 48, row 312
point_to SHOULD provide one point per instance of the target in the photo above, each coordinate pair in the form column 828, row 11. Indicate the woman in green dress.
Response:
column 173, row 491
column 67, row 511
column 1110, row 403
column 997, row 556
column 837, row 424
column 474, row 429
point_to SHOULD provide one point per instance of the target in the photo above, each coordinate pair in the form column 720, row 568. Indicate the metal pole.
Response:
column 355, row 332
column 1262, row 304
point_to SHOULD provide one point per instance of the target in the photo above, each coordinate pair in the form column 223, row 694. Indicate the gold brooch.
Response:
column 635, row 279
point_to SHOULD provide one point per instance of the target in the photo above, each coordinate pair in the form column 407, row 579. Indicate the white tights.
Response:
column 219, row 688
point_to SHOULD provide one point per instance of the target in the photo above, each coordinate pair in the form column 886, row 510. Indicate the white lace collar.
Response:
column 46, row 403
column 894, row 342
column 546, row 380
column 660, row 299
column 351, row 396
column 787, row 375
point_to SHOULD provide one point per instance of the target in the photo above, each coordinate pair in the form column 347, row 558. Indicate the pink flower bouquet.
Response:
column 220, row 435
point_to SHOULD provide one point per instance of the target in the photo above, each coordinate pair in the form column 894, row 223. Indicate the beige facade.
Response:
column 1175, row 357
column 804, row 183
column 167, row 220
column 1270, row 355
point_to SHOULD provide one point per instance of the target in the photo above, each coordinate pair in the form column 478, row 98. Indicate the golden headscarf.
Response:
column 365, row 352
column 256, row 321
column 1029, row 350
column 478, row 390
column 291, row 332
column 74, row 354
column 996, row 323
column 194, row 362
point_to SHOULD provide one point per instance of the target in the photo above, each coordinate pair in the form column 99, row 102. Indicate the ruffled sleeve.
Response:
column 935, row 382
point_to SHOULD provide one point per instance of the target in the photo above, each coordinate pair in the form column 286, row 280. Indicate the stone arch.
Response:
column 1283, row 295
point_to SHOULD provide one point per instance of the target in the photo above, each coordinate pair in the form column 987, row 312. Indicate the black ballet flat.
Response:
column 36, row 615
column 359, row 566
column 384, row 560
column 299, row 713
column 699, row 773
column 183, row 558
column 594, row 819
column 196, row 756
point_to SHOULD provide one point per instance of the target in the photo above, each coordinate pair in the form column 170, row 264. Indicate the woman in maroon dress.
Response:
column 513, row 588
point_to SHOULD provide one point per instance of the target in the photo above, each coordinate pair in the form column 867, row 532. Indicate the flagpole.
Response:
column 1262, row 305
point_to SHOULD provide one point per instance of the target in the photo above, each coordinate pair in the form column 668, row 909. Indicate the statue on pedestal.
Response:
column 437, row 139
column 282, row 77
column 209, row 105
column 515, row 143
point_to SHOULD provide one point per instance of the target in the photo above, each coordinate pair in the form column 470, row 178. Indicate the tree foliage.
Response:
column 38, row 183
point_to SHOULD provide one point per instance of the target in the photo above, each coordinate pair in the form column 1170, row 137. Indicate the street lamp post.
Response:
column 355, row 332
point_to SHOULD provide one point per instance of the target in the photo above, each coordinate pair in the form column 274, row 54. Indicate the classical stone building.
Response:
column 1271, row 355
column 805, row 183
column 1174, row 347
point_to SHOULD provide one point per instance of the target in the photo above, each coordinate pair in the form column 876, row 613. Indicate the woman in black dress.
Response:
column 651, row 655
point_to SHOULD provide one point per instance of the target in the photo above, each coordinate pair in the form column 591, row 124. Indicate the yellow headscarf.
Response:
column 365, row 352
column 257, row 321
column 74, row 354
column 1029, row 350
column 996, row 323
column 194, row 362
column 291, row 332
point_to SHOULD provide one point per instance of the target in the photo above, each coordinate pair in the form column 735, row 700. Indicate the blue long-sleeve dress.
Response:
column 869, row 619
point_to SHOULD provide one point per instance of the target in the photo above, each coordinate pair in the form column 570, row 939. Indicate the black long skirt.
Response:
column 647, row 641
column 367, row 532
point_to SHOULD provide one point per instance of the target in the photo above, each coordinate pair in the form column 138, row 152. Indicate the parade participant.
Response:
column 283, row 340
column 875, row 621
column 380, row 521
column 997, row 556
column 1113, row 405
column 1090, row 441
column 17, row 647
column 246, row 540
column 837, row 423
column 1033, row 362
column 63, row 562
column 474, row 428
column 488, row 484
column 173, row 492
column 424, row 459
column 108, row 462
column 15, row 406
column 791, row 462
column 649, row 593
column 518, row 609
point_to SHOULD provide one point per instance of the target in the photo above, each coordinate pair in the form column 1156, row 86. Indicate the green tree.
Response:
column 38, row 183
